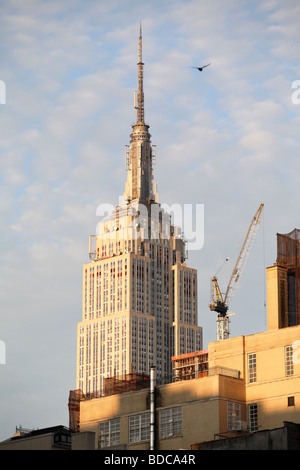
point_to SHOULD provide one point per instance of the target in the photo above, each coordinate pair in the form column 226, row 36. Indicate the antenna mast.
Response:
column 140, row 94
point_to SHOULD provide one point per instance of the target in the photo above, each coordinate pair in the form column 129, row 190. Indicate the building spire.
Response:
column 140, row 93
column 140, row 156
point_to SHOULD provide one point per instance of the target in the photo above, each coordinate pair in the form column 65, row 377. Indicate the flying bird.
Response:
column 201, row 68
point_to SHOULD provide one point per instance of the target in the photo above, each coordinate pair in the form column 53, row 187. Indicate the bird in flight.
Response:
column 201, row 68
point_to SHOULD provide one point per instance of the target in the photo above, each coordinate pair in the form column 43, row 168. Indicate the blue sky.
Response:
column 227, row 138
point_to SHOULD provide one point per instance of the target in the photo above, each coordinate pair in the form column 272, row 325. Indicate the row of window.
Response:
column 104, row 292
column 289, row 364
column 105, row 287
column 234, row 422
column 102, row 351
column 187, row 297
column 170, row 424
column 170, row 420
column 253, row 413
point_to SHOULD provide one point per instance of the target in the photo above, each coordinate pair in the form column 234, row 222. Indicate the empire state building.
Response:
column 139, row 303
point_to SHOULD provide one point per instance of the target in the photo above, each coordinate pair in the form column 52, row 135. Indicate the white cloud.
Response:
column 227, row 137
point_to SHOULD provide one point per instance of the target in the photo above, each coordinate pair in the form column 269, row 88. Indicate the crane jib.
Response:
column 220, row 305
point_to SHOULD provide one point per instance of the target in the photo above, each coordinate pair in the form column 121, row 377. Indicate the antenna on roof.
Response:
column 139, row 95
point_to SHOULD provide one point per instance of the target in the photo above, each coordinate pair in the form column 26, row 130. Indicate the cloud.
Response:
column 228, row 138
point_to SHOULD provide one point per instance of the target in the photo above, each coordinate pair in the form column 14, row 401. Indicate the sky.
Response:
column 226, row 138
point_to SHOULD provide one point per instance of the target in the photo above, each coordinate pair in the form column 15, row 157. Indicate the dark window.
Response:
column 291, row 401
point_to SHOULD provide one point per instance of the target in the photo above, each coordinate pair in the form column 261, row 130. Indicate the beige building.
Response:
column 140, row 310
column 251, row 384
column 239, row 386
column 139, row 297
column 53, row 438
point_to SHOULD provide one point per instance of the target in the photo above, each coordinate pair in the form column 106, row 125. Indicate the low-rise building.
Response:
column 252, row 383
column 243, row 384
column 51, row 438
column 285, row 438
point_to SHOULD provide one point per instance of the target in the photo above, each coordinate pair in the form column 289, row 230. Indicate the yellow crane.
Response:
column 220, row 303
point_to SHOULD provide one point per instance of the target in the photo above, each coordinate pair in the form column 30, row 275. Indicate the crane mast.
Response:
column 219, row 303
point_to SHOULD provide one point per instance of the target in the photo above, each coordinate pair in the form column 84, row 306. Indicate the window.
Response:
column 109, row 433
column 139, row 428
column 233, row 416
column 291, row 401
column 253, row 418
column 170, row 422
column 252, row 368
column 62, row 438
column 289, row 365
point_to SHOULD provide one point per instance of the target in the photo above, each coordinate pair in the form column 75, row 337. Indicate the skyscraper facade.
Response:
column 139, row 305
column 283, row 280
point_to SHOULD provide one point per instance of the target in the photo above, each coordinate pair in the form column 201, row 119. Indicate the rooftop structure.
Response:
column 190, row 366
column 283, row 279
column 237, row 387
column 50, row 438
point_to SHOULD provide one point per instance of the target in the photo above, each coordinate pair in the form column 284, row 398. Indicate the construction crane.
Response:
column 220, row 303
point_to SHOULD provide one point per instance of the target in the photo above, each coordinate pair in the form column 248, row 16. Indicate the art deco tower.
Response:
column 139, row 298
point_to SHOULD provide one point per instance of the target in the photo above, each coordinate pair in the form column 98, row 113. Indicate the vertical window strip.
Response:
column 253, row 418
column 134, row 343
column 109, row 433
column 252, row 367
column 139, row 428
column 233, row 416
column 289, row 364
column 124, row 342
column 170, row 422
